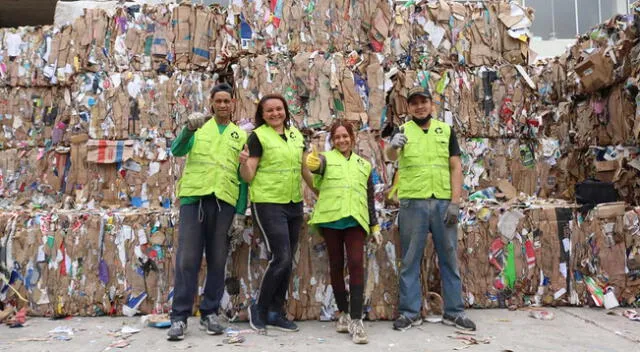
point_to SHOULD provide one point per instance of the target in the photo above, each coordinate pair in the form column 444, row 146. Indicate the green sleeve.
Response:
column 317, row 181
column 182, row 145
column 241, row 204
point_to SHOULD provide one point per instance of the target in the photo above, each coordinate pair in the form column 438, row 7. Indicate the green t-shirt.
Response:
column 341, row 224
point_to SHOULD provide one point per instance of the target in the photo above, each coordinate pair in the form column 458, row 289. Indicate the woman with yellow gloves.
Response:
column 345, row 215
column 271, row 163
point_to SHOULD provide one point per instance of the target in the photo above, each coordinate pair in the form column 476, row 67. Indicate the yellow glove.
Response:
column 313, row 160
column 376, row 235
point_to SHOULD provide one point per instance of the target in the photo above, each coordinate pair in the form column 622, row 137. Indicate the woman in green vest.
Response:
column 345, row 215
column 271, row 163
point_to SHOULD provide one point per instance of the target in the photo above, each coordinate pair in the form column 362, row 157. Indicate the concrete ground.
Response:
column 572, row 329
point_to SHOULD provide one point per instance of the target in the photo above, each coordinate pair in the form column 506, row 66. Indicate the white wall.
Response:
column 550, row 48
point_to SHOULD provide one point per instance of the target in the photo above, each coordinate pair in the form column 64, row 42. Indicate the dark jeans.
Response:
column 350, row 240
column 203, row 226
column 280, row 226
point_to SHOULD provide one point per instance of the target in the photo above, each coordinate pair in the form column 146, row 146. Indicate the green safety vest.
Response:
column 212, row 163
column 279, row 175
column 343, row 190
column 423, row 164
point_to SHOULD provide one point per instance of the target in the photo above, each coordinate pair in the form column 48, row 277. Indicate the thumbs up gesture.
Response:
column 244, row 154
column 313, row 159
column 399, row 139
column 195, row 121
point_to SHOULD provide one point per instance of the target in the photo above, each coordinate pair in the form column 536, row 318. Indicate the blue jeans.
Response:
column 417, row 218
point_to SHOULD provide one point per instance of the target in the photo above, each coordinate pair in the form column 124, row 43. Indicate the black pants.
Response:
column 280, row 226
column 203, row 226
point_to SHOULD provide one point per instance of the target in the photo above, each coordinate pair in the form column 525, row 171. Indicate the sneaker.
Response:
column 358, row 335
column 403, row 323
column 280, row 322
column 256, row 320
column 343, row 323
column 460, row 322
column 211, row 324
column 176, row 331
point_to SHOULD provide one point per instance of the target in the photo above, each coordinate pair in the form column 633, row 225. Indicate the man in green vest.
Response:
column 210, row 192
column 429, row 190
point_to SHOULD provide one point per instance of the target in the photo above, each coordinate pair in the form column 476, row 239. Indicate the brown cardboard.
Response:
column 595, row 72
column 607, row 171
column 507, row 188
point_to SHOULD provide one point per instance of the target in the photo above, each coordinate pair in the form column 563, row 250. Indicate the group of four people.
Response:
column 224, row 164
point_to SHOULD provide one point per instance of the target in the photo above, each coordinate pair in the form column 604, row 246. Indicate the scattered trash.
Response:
column 61, row 333
column 542, row 315
column 321, row 340
column 120, row 343
column 610, row 300
column 61, row 330
column 234, row 339
column 18, row 320
column 6, row 313
column 468, row 339
column 31, row 339
column 156, row 320
column 631, row 314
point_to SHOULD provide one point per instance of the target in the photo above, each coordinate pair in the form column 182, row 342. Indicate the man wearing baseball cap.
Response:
column 429, row 190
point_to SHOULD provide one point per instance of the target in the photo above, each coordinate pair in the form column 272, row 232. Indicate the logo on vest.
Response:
column 235, row 135
column 292, row 135
column 439, row 130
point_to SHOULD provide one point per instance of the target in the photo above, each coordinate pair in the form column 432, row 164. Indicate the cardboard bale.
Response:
column 183, row 26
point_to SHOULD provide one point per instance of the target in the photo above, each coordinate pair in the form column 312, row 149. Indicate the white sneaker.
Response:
column 358, row 334
column 343, row 323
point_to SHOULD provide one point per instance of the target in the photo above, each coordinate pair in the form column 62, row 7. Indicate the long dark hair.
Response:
column 260, row 120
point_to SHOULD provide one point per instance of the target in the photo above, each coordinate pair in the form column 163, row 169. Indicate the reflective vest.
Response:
column 343, row 190
column 279, row 174
column 423, row 163
column 212, row 163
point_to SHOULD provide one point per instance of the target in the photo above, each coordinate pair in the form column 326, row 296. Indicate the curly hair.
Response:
column 347, row 125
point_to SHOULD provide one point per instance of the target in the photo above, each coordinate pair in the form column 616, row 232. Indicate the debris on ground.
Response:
column 469, row 339
column 61, row 333
column 542, row 314
column 234, row 339
column 19, row 319
column 6, row 313
column 124, row 332
column 156, row 320
column 631, row 314
column 120, row 343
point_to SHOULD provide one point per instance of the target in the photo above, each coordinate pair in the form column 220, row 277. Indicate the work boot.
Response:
column 177, row 330
column 403, row 323
column 358, row 335
column 211, row 324
column 461, row 322
column 343, row 322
